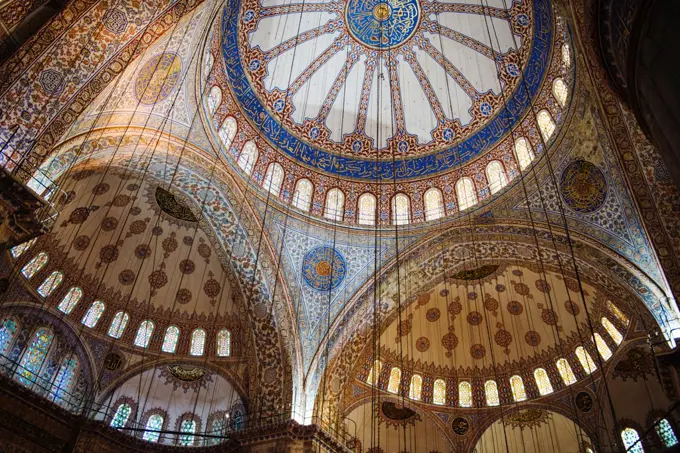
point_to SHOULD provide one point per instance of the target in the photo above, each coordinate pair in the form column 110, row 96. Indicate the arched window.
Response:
column 33, row 267
column 187, row 428
column 61, row 386
column 612, row 331
column 523, row 153
column 401, row 209
column 566, row 55
column 216, row 427
column 545, row 124
column 374, row 374
column 395, row 380
column 121, row 416
column 439, row 392
column 34, row 356
column 170, row 339
column 491, row 391
column 495, row 175
column 8, row 330
column 118, row 324
column 228, row 131
column 543, row 382
column 631, row 440
column 434, row 204
column 223, row 343
column 465, row 191
column 248, row 157
column 208, row 62
column 144, row 333
column 197, row 342
column 585, row 360
column 560, row 91
column 517, row 386
column 50, row 283
column 465, row 394
column 565, row 372
column 153, row 427
column 335, row 205
column 616, row 311
column 367, row 209
column 93, row 314
column 214, row 99
column 416, row 388
column 274, row 178
column 602, row 346
column 70, row 300
column 21, row 248
column 665, row 432
column 302, row 198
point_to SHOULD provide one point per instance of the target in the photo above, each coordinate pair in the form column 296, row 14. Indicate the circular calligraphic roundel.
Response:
column 323, row 268
column 584, row 187
column 381, row 24
column 157, row 78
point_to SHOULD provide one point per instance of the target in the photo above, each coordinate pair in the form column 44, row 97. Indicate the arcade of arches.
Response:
column 370, row 226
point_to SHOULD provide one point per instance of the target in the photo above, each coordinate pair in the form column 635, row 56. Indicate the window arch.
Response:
column 374, row 374
column 197, row 342
column 665, row 432
column 274, row 178
column 517, row 386
column 170, row 339
column 367, row 209
column 543, row 382
column 611, row 330
column 93, row 314
column 335, row 205
column 401, row 209
column 70, row 300
column 434, row 204
column 118, row 324
column 248, row 157
column 224, row 343
column 144, row 333
column 585, row 360
column 566, row 372
column 395, row 380
column 465, row 394
column 34, row 356
column 495, row 175
column 214, row 99
column 415, row 390
column 491, row 391
column 217, row 425
column 153, row 425
column 560, row 91
column 33, row 267
column 545, row 124
column 616, row 311
column 50, row 284
column 302, row 198
column 61, row 386
column 8, row 330
column 187, row 428
column 228, row 131
column 439, row 392
column 566, row 55
column 465, row 191
column 631, row 440
column 21, row 248
column 523, row 153
column 208, row 63
column 602, row 346
column 120, row 418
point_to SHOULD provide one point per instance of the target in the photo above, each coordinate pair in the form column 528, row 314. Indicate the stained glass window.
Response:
column 170, row 339
column 612, row 331
column 208, row 62
column 367, row 206
column 153, row 425
column 465, row 191
column 631, row 440
column 197, row 342
column 223, row 343
column 248, row 157
column 416, row 388
column 144, row 334
column 32, row 267
column 542, row 381
column 34, row 356
column 302, row 198
column 434, row 204
column 8, row 329
column 93, row 314
column 274, row 178
column 517, row 386
column 545, row 124
column 495, row 175
column 374, row 374
column 395, row 380
column 214, row 99
column 465, row 394
column 118, row 324
column 228, row 131
column 602, row 346
column 566, row 55
column 491, row 391
column 617, row 312
column 50, row 283
column 439, row 392
column 665, row 432
column 121, row 416
column 585, row 360
column 188, row 428
column 217, row 428
column 401, row 209
column 560, row 91
column 566, row 372
column 21, row 248
column 64, row 380
column 335, row 205
column 70, row 300
column 524, row 153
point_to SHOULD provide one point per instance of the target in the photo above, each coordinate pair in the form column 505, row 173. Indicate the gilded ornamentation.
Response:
column 157, row 78
column 460, row 426
column 583, row 186
column 528, row 418
column 476, row 274
column 169, row 205
column 584, row 402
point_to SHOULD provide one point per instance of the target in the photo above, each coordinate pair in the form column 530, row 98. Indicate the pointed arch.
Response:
column 517, row 387
column 465, row 394
column 228, row 132
column 34, row 356
column 465, row 191
column 495, row 176
column 224, row 343
column 35, row 265
column 144, row 333
column 120, row 418
column 566, row 55
column 434, row 204
column 302, row 198
column 542, row 382
column 197, row 342
column 8, row 330
column 631, row 440
column 248, row 157
column 50, row 284
column 666, row 434
column 118, row 324
column 611, row 330
column 70, row 300
column 546, row 125
column 560, row 91
column 170, row 339
column 566, row 373
column 416, row 388
column 439, row 392
column 153, row 426
column 273, row 179
column 395, row 380
column 335, row 205
column 93, row 314
column 602, row 346
column 214, row 99
column 586, row 361
column 401, row 209
column 374, row 373
column 21, row 248
column 523, row 153
column 367, row 209
column 63, row 382
column 491, row 392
